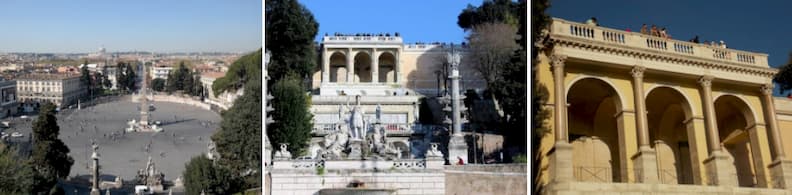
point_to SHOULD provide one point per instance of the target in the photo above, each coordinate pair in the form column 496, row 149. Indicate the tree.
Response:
column 120, row 76
column 130, row 77
column 201, row 175
column 105, row 81
column 158, row 84
column 17, row 173
column 784, row 76
column 291, row 111
column 491, row 48
column 238, row 73
column 490, row 11
column 239, row 137
column 188, row 84
column 85, row 77
column 540, row 21
column 50, row 157
column 197, row 86
column 290, row 38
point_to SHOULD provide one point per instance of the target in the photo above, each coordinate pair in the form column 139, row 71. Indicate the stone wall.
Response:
column 486, row 179
column 303, row 177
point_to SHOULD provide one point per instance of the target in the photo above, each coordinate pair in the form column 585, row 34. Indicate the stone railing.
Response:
column 593, row 174
column 621, row 38
column 389, row 39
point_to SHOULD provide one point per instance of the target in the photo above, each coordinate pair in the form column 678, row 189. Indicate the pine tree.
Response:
column 290, row 38
column 291, row 111
column 50, row 157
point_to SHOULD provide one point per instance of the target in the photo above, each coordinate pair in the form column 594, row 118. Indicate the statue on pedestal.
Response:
column 283, row 154
column 357, row 123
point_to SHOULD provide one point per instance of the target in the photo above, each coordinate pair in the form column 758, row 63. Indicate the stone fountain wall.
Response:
column 409, row 176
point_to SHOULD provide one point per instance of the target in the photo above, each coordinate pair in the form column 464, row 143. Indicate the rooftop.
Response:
column 48, row 76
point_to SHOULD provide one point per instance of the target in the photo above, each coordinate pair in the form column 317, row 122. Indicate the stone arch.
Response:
column 338, row 70
column 736, row 121
column 595, row 125
column 668, row 114
column 362, row 66
column 621, row 103
column 387, row 67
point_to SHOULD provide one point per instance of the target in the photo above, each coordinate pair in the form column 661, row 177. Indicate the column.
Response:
column 325, row 66
column 374, row 66
column 781, row 167
column 646, row 159
column 350, row 66
column 720, row 170
column 397, row 67
column 561, row 154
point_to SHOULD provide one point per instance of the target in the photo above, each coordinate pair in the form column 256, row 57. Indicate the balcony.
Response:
column 362, row 39
column 635, row 40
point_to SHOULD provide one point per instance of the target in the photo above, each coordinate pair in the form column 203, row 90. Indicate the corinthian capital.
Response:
column 637, row 71
column 705, row 81
column 557, row 61
column 767, row 89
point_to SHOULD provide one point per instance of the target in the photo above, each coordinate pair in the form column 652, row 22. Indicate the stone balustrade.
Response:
column 362, row 39
column 636, row 40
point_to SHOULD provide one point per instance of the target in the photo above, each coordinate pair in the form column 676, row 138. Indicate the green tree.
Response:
column 188, row 84
column 130, row 77
column 784, row 76
column 291, row 111
column 158, row 84
column 17, row 173
column 120, row 76
column 491, row 11
column 290, row 37
column 50, row 157
column 85, row 77
column 238, row 73
column 197, row 86
column 239, row 137
column 540, row 22
column 105, row 81
column 201, row 175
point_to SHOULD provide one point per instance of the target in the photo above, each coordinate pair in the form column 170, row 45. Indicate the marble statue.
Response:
column 283, row 153
column 433, row 152
column 357, row 123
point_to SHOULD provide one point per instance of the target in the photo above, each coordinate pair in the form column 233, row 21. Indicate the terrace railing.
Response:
column 621, row 38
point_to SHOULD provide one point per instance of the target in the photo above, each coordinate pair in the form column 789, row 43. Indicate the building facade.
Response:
column 633, row 113
column 60, row 89
column 8, row 98
column 160, row 72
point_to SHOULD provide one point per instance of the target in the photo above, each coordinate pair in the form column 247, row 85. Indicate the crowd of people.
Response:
column 663, row 33
column 654, row 31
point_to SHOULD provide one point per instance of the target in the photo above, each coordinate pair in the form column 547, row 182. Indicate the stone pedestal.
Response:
column 561, row 159
column 457, row 148
column 720, row 170
column 645, row 162
column 355, row 149
column 781, row 171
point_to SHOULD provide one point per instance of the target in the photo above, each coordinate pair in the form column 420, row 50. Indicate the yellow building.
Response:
column 640, row 114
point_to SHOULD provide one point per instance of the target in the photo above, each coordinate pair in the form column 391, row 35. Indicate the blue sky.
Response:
column 143, row 25
column 415, row 20
column 759, row 26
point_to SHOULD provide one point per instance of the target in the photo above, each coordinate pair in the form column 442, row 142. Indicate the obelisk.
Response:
column 144, row 107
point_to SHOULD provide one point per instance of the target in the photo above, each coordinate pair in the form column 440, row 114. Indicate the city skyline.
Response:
column 151, row 26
